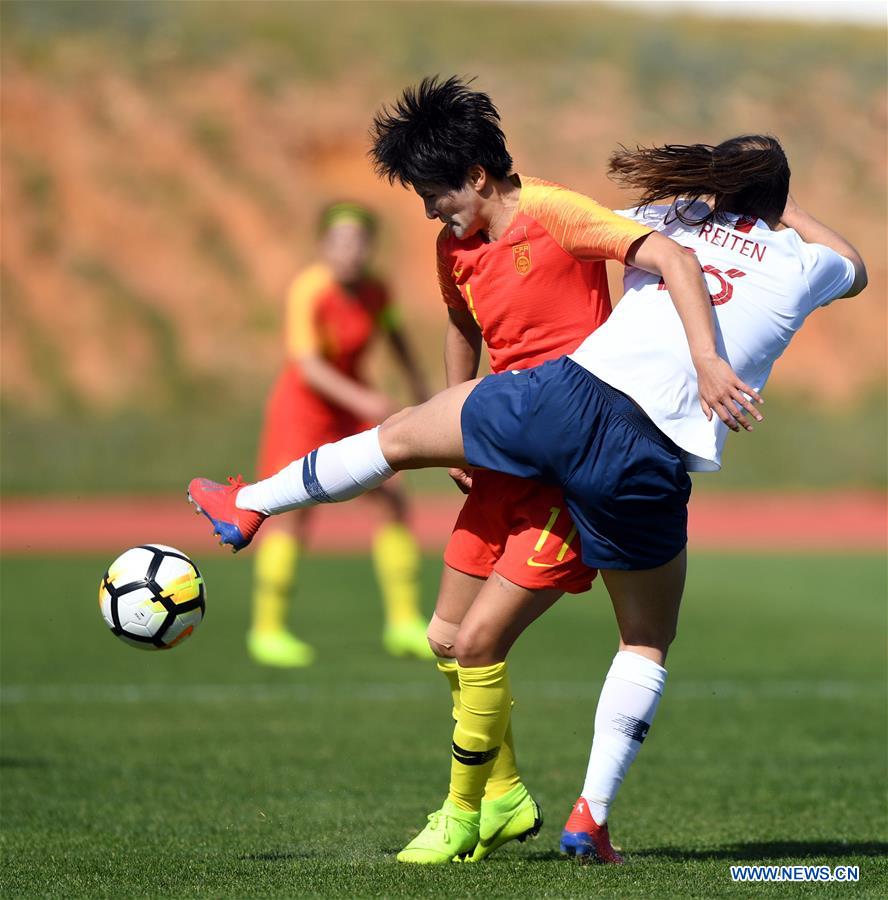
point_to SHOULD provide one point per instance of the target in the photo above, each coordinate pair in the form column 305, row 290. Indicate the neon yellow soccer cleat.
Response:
column 450, row 834
column 516, row 816
column 279, row 648
column 407, row 639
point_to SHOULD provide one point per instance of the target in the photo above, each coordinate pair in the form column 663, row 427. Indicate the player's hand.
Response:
column 722, row 392
column 789, row 211
column 462, row 478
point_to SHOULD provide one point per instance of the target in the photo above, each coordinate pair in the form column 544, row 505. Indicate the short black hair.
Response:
column 436, row 132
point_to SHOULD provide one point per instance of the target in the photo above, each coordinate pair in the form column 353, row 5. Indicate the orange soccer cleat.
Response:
column 585, row 839
column 234, row 526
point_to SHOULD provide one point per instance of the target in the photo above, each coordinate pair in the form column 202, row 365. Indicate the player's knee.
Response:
column 656, row 638
column 476, row 646
column 441, row 651
column 668, row 636
column 441, row 636
column 394, row 439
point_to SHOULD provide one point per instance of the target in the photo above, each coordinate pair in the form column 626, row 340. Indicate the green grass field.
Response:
column 194, row 774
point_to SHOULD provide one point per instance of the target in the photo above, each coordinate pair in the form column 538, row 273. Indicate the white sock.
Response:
column 626, row 708
column 330, row 474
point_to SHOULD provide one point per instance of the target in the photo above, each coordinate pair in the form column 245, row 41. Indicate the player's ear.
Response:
column 477, row 178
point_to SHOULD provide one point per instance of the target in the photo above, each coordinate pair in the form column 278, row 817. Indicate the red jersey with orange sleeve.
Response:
column 323, row 318
column 536, row 293
column 538, row 290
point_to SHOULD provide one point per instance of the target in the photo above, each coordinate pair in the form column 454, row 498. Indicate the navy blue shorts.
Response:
column 624, row 481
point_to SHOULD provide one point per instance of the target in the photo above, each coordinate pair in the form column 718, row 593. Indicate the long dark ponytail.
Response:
column 747, row 175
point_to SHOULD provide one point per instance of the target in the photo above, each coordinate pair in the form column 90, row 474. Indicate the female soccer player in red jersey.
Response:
column 335, row 309
column 521, row 267
column 617, row 425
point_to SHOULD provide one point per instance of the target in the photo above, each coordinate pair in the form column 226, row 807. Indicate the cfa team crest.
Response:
column 521, row 255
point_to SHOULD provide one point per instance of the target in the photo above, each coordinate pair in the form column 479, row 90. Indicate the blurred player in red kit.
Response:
column 335, row 309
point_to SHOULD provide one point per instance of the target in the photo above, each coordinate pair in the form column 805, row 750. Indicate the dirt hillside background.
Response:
column 162, row 165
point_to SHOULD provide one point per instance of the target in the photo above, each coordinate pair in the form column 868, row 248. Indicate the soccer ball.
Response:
column 152, row 597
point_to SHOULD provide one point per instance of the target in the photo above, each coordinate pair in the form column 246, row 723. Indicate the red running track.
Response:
column 739, row 522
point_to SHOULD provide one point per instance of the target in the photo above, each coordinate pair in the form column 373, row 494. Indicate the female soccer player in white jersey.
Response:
column 617, row 424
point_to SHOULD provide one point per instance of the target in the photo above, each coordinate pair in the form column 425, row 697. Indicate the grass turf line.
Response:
column 194, row 773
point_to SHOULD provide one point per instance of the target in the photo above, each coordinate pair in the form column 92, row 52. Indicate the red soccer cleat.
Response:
column 216, row 501
column 585, row 839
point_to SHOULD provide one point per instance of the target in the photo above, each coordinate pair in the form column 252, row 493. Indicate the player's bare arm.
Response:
column 333, row 385
column 462, row 346
column 813, row 231
column 404, row 355
column 721, row 391
column 462, row 354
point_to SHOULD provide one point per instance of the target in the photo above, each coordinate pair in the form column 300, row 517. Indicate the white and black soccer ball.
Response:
column 152, row 597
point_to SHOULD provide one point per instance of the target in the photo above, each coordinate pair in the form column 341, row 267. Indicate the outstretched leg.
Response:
column 419, row 437
column 428, row 435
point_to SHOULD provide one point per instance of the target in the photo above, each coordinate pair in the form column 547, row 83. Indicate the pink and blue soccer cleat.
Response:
column 585, row 839
column 234, row 526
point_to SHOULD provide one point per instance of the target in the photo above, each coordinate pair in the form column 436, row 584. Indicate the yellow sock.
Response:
column 275, row 570
column 396, row 561
column 504, row 774
column 485, row 704
column 449, row 669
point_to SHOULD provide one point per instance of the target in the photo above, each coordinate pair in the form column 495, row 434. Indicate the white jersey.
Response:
column 763, row 284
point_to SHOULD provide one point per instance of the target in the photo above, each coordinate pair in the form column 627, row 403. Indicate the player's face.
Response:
column 458, row 208
column 346, row 247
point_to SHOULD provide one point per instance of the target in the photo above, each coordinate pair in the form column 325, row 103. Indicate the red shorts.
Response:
column 520, row 529
column 297, row 421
